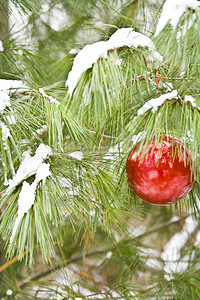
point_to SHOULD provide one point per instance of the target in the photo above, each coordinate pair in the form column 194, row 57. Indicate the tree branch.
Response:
column 55, row 267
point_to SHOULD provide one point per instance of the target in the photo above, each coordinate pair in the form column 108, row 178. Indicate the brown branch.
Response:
column 140, row 78
column 57, row 266
column 13, row 260
column 181, row 101
column 101, row 141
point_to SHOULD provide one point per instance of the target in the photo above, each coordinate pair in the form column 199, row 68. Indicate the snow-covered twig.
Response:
column 154, row 103
column 51, row 99
column 31, row 165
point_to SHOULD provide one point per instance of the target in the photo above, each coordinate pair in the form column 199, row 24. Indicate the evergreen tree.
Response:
column 82, row 83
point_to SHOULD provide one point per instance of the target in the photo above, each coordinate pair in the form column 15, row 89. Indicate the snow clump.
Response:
column 92, row 52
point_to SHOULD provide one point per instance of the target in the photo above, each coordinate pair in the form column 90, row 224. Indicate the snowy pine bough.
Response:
column 84, row 60
column 31, row 165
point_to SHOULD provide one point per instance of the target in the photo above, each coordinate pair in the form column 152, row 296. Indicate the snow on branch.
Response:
column 6, row 84
column 191, row 100
column 92, row 52
column 5, row 87
column 4, row 100
column 154, row 103
column 31, row 165
column 173, row 11
column 51, row 99
column 77, row 154
column 5, row 132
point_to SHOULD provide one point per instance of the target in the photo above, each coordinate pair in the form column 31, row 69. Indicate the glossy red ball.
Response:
column 161, row 177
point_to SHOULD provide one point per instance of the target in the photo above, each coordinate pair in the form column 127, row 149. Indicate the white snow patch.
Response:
column 128, row 37
column 77, row 154
column 152, row 257
column 109, row 254
column 11, row 119
column 1, row 46
column 6, row 84
column 28, row 191
column 5, row 87
column 41, row 130
column 191, row 99
column 172, row 12
column 73, row 51
column 4, row 100
column 65, row 182
column 153, row 263
column 167, row 85
column 118, row 62
column 20, row 52
column 171, row 253
column 51, row 99
column 197, row 242
column 56, row 18
column 4, row 131
column 9, row 292
column 154, row 103
column 113, row 152
column 137, row 231
column 18, row 22
column 92, row 52
column 182, row 73
column 29, row 166
column 42, row 172
column 138, row 137
column 83, row 61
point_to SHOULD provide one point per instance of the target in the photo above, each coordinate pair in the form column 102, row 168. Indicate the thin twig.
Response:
column 101, row 141
column 57, row 266
column 181, row 101
column 163, row 226
column 104, row 135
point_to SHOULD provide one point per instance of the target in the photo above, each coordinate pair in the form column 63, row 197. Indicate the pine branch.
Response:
column 53, row 268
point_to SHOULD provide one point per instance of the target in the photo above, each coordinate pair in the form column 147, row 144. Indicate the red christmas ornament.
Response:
column 161, row 177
